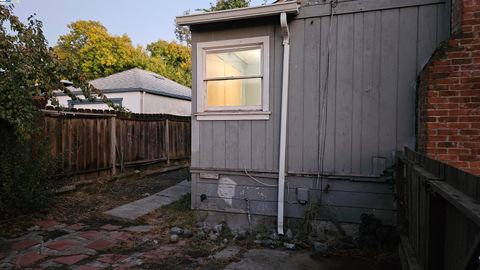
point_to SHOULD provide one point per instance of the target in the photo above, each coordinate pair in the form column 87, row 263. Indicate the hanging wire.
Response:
column 323, row 120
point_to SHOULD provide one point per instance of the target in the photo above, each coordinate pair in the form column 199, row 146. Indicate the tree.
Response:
column 174, row 61
column 183, row 34
column 28, row 174
column 227, row 4
column 92, row 51
column 27, row 69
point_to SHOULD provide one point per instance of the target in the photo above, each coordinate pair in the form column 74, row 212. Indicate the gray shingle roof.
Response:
column 141, row 80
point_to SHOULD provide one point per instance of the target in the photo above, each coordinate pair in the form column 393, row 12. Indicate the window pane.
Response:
column 233, row 63
column 244, row 92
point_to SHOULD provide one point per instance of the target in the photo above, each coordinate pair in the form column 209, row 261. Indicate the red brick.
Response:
column 467, row 157
column 101, row 244
column 24, row 244
column 112, row 258
column 456, row 151
column 121, row 236
column 110, row 227
column 29, row 259
column 91, row 235
column 47, row 224
column 87, row 267
column 69, row 260
column 77, row 226
column 62, row 245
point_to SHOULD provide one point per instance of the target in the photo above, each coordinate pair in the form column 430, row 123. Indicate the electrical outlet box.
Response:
column 302, row 195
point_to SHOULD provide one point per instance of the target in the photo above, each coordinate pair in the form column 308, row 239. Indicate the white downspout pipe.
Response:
column 283, row 122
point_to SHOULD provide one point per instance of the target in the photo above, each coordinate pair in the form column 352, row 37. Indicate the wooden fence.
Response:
column 94, row 141
column 439, row 206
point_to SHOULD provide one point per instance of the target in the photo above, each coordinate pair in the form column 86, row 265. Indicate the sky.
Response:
column 144, row 21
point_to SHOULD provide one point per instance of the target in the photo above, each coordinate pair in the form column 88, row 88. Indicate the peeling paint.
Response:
column 226, row 189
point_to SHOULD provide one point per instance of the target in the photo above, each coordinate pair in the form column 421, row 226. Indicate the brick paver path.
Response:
column 79, row 246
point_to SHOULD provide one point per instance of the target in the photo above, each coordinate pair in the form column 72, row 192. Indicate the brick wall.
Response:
column 449, row 94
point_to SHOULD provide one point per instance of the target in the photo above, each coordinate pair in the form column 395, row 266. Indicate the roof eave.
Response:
column 239, row 14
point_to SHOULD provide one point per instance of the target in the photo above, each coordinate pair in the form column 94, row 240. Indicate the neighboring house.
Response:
column 347, row 73
column 138, row 90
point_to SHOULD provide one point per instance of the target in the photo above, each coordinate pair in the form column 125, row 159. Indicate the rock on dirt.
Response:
column 176, row 230
column 187, row 233
column 174, row 238
column 320, row 247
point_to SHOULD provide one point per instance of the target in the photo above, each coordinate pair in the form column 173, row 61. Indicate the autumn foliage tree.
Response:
column 91, row 50
column 175, row 59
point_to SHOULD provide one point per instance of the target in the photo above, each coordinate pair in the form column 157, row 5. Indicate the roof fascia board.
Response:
column 239, row 14
column 126, row 90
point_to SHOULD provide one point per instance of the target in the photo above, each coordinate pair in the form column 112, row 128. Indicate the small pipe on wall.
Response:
column 283, row 122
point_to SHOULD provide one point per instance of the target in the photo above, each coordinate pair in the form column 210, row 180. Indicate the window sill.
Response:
column 219, row 116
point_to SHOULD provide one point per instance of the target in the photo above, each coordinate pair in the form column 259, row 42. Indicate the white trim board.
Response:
column 239, row 13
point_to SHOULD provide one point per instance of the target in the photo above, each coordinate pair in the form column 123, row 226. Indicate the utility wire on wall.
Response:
column 323, row 120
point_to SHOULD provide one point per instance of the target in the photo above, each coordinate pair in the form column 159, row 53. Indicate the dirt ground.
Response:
column 87, row 203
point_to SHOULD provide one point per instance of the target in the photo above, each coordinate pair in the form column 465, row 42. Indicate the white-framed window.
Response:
column 233, row 79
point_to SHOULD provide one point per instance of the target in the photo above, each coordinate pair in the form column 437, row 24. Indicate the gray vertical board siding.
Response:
column 374, row 60
column 271, row 140
column 427, row 34
column 218, row 145
column 231, row 144
column 388, row 85
column 343, row 94
column 295, row 96
column 195, row 145
column 311, row 105
column 206, row 144
column 357, row 94
column 245, row 144
column 369, row 96
column 258, row 145
column 406, row 78
column 329, row 53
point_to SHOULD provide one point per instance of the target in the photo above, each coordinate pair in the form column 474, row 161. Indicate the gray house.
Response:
column 300, row 104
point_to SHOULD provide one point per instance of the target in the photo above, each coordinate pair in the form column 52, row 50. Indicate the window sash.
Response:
column 234, row 49
column 233, row 108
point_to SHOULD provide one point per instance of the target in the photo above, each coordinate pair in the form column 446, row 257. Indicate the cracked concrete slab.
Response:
column 132, row 211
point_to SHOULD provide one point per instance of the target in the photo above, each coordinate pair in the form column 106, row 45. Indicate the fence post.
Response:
column 113, row 144
column 436, row 232
column 167, row 140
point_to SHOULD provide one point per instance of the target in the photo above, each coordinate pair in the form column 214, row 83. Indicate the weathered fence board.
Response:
column 93, row 141
column 440, row 207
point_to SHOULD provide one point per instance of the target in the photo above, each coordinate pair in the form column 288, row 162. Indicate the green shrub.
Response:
column 28, row 173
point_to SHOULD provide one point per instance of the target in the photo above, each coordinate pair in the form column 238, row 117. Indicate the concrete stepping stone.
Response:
column 132, row 211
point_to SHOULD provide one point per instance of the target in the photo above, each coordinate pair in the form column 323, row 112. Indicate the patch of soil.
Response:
column 87, row 203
